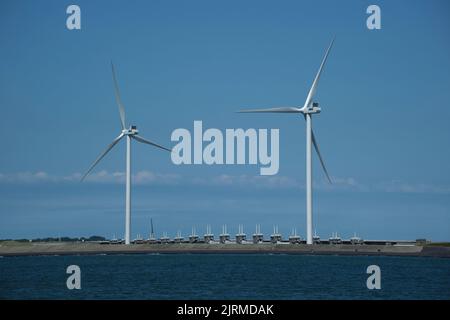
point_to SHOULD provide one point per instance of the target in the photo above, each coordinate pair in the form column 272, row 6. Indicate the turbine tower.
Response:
column 130, row 133
column 309, row 108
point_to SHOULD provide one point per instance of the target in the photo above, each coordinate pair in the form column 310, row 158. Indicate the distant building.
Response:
column 152, row 239
column 240, row 236
column 193, row 238
column 164, row 238
column 294, row 238
column 224, row 237
column 258, row 237
column 316, row 238
column 422, row 242
column 275, row 237
column 178, row 238
column 356, row 240
column 208, row 237
column 335, row 239
column 138, row 240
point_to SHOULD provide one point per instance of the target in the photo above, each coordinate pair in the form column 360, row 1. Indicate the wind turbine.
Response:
column 309, row 108
column 130, row 133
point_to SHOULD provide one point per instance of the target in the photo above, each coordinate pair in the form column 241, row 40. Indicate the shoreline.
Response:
column 12, row 249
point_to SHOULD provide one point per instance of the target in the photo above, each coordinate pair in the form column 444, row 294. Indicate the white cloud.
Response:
column 339, row 183
column 404, row 187
column 145, row 177
column 148, row 177
column 141, row 177
column 25, row 177
column 247, row 181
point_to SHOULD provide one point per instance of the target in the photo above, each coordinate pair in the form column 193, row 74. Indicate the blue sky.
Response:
column 383, row 130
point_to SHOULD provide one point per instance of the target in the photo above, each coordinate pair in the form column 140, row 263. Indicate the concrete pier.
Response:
column 12, row 248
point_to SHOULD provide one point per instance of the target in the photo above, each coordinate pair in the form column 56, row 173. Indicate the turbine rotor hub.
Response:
column 131, row 131
column 312, row 108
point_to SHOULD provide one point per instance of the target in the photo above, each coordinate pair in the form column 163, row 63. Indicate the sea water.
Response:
column 224, row 276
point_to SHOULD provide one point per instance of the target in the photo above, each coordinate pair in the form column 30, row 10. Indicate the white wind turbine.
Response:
column 130, row 133
column 308, row 109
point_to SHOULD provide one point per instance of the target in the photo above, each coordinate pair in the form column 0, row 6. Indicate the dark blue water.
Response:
column 191, row 276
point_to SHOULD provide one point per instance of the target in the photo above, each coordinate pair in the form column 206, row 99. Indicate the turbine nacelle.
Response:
column 131, row 131
column 312, row 108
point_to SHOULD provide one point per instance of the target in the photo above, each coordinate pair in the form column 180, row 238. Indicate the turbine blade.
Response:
column 140, row 139
column 316, row 146
column 273, row 110
column 312, row 91
column 118, row 100
column 100, row 157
